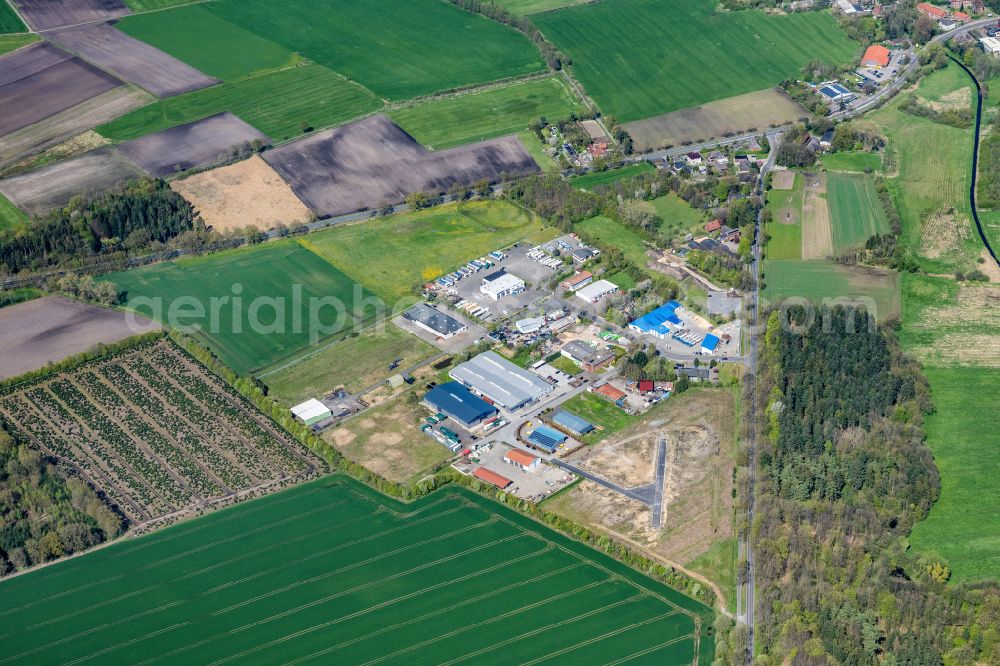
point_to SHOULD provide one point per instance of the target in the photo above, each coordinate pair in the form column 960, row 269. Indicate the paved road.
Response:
column 642, row 494
column 661, row 468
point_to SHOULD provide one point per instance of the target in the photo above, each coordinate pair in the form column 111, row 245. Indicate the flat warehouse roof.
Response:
column 310, row 409
column 434, row 319
column 500, row 380
column 458, row 402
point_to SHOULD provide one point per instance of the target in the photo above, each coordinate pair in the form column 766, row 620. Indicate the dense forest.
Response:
column 844, row 474
column 142, row 213
column 44, row 512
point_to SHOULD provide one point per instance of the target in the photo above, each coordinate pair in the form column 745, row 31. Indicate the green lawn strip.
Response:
column 454, row 121
column 280, row 104
column 964, row 524
column 207, row 42
column 609, row 417
column 150, row 5
column 398, row 48
column 393, row 256
column 826, row 282
column 992, row 100
column 567, row 366
column 10, row 215
column 990, row 219
column 9, row 20
column 537, row 151
column 355, row 363
column 852, row 161
column 618, row 52
column 784, row 237
column 525, row 7
column 10, row 43
column 856, row 214
column 269, row 273
column 20, row 295
column 718, row 564
column 606, row 232
column 591, row 180
column 677, row 216
column 622, row 279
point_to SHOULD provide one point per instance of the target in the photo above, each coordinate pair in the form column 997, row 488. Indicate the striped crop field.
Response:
column 856, row 214
column 332, row 572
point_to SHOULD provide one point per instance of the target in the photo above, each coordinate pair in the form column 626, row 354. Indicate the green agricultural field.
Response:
column 269, row 275
column 934, row 163
column 152, row 5
column 856, row 214
column 591, row 180
column 609, row 417
column 964, row 524
column 719, row 564
column 330, row 571
column 827, row 282
column 397, row 48
column 852, row 161
column 280, row 104
column 10, row 43
column 990, row 219
column 537, row 151
column 355, row 363
column 785, row 229
column 453, row 121
column 9, row 20
column 605, row 232
column 10, row 215
column 207, row 42
column 678, row 217
column 641, row 58
column 393, row 256
column 525, row 7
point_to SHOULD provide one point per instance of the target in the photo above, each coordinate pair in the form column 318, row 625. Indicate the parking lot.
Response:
column 534, row 485
column 885, row 74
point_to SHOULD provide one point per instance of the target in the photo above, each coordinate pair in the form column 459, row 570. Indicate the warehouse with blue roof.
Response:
column 572, row 423
column 661, row 322
column 546, row 438
column 709, row 344
column 460, row 404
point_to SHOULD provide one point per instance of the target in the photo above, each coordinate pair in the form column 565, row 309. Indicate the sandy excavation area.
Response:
column 242, row 194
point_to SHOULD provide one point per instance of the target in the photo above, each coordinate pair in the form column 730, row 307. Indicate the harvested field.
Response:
column 743, row 113
column 155, row 431
column 78, row 145
column 783, row 180
column 70, row 123
column 943, row 232
column 817, row 234
column 49, row 14
column 248, row 193
column 132, row 60
column 373, row 161
column 53, row 186
column 45, row 330
column 40, row 81
column 199, row 144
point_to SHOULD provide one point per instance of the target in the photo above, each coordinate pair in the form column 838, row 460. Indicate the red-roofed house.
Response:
column 714, row 225
column 610, row 392
column 961, row 17
column 489, row 476
column 646, row 385
column 577, row 280
column 932, row 11
column 598, row 148
column 876, row 56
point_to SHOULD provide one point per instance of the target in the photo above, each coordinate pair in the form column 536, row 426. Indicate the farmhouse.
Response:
column 596, row 291
column 661, row 322
column 546, row 438
column 613, row 394
column 491, row 477
column 500, row 283
column 500, row 381
column 522, row 460
column 876, row 56
column 589, row 358
column 930, row 10
column 311, row 412
column 458, row 403
column 572, row 423
column 434, row 321
column 577, row 280
column 991, row 45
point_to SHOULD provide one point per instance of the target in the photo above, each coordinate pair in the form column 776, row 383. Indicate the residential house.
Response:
column 577, row 280
column 826, row 141
column 933, row 11
column 694, row 159
column 714, row 225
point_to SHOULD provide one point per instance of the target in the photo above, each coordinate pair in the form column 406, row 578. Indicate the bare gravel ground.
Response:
column 49, row 14
column 132, row 60
column 47, row 330
column 373, row 162
column 193, row 145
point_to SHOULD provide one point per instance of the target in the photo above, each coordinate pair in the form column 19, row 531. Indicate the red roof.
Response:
column 520, row 457
column 714, row 225
column 489, row 476
column 645, row 385
column 610, row 392
column 876, row 55
column 577, row 278
column 961, row 16
column 931, row 10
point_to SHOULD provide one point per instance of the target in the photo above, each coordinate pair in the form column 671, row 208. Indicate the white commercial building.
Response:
column 530, row 325
column 595, row 291
column 503, row 383
column 991, row 45
column 311, row 411
column 501, row 283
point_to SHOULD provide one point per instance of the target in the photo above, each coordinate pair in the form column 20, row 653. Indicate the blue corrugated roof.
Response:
column 710, row 342
column 572, row 422
column 547, row 438
column 459, row 403
column 658, row 318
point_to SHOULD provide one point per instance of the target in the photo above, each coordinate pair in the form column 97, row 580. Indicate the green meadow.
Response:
column 856, row 214
column 589, row 181
column 827, row 282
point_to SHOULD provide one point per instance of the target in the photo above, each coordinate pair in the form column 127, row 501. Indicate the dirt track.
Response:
column 48, row 14
column 374, row 162
column 49, row 329
column 132, row 60
column 817, row 235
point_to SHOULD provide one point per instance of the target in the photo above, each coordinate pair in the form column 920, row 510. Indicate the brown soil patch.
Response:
column 787, row 215
column 953, row 101
column 248, row 193
column 970, row 321
column 78, row 145
column 942, row 232
column 989, row 267
column 817, row 234
column 783, row 180
column 341, row 436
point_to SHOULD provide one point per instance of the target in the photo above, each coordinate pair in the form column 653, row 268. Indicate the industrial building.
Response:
column 459, row 404
column 613, row 394
column 991, row 45
column 522, row 460
column 311, row 412
column 709, row 344
column 489, row 476
column 578, row 280
column 587, row 357
column 572, row 423
column 434, row 321
column 661, row 322
column 529, row 325
column 546, row 438
column 836, row 92
column 595, row 291
column 500, row 283
column 500, row 381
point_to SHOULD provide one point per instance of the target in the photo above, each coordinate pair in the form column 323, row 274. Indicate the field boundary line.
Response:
column 106, row 602
column 598, row 639
column 652, row 649
column 138, row 639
